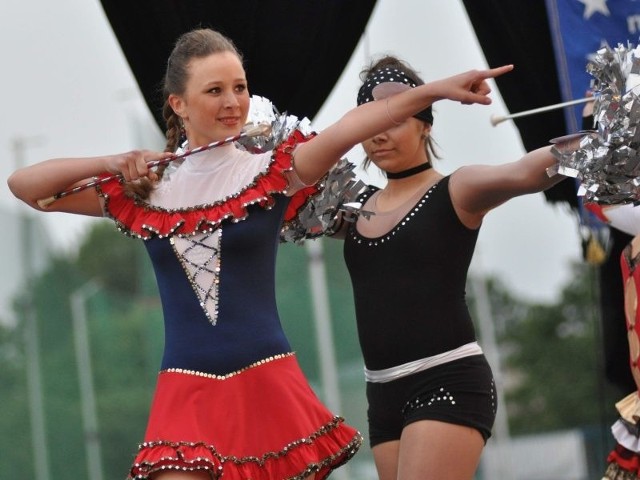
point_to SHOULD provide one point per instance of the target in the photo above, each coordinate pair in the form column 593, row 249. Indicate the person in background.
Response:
column 430, row 391
column 231, row 400
column 624, row 459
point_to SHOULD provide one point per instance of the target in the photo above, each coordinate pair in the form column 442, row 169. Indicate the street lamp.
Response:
column 78, row 301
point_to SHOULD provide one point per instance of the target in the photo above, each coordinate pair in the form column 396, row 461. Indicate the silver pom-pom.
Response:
column 326, row 211
column 335, row 201
column 608, row 161
column 263, row 112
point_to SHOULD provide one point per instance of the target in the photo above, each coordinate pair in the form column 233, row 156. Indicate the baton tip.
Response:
column 496, row 119
column 45, row 202
column 259, row 130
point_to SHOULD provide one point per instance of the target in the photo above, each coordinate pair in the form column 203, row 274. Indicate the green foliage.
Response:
column 15, row 441
column 342, row 306
column 126, row 360
column 294, row 306
column 113, row 260
column 58, row 367
column 296, row 309
column 552, row 367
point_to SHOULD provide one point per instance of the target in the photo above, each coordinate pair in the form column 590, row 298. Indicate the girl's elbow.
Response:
column 15, row 185
column 20, row 189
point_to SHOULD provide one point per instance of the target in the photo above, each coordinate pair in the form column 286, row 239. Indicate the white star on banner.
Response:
column 594, row 6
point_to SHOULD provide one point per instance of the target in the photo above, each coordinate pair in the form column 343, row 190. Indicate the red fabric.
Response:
column 631, row 273
column 625, row 459
column 263, row 423
column 142, row 220
column 597, row 210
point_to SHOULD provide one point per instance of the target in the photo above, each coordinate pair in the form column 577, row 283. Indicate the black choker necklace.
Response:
column 410, row 171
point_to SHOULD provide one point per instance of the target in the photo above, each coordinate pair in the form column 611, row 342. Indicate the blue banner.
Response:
column 579, row 28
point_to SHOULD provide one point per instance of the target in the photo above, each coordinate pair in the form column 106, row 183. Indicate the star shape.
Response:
column 594, row 6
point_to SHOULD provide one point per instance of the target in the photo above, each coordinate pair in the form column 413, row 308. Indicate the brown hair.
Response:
column 198, row 43
column 389, row 61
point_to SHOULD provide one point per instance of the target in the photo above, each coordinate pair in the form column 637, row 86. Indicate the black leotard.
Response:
column 409, row 284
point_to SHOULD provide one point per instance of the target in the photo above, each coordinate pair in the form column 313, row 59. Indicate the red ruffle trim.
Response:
column 333, row 443
column 625, row 459
column 139, row 219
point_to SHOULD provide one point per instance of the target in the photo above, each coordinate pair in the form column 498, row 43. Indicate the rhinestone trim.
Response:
column 200, row 259
column 231, row 374
column 374, row 242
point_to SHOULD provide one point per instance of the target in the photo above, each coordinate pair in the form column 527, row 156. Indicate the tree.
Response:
column 553, row 360
column 117, row 263
column 15, row 443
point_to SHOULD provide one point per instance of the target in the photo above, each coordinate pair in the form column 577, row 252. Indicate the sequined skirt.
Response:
column 264, row 422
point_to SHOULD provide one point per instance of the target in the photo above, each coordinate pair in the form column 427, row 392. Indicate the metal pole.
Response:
column 324, row 333
column 85, row 377
column 31, row 341
column 490, row 347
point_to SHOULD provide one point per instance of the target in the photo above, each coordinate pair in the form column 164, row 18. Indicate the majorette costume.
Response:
column 623, row 462
column 624, row 459
column 418, row 342
column 230, row 398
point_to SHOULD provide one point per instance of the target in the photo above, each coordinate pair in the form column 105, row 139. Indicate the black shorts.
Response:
column 461, row 392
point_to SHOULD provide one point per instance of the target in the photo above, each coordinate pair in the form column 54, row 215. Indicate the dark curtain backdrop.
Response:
column 518, row 33
column 294, row 50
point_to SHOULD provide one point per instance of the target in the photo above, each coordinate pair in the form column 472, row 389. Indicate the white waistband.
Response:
column 393, row 373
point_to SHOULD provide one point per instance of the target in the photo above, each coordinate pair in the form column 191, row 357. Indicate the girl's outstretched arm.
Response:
column 476, row 189
column 314, row 158
column 50, row 177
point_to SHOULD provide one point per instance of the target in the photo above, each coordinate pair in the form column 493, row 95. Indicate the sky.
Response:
column 68, row 91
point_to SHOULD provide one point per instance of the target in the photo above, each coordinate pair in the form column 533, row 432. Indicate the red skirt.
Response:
column 264, row 422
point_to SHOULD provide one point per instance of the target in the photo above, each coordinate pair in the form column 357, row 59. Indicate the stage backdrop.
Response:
column 549, row 43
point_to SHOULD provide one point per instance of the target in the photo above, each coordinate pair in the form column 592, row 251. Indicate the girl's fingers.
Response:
column 496, row 72
column 134, row 165
column 480, row 88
